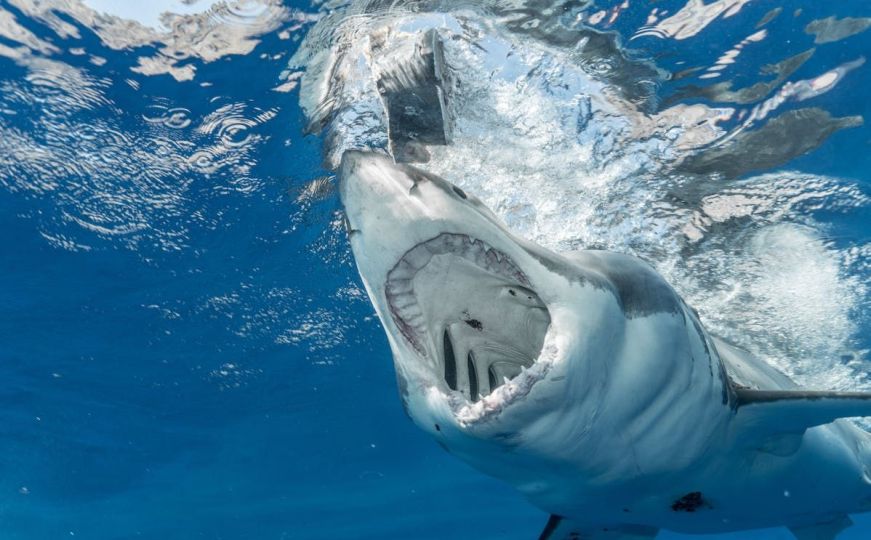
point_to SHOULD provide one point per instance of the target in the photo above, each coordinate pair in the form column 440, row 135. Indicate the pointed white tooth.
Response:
column 412, row 311
column 396, row 287
column 414, row 318
column 452, row 244
column 407, row 311
column 506, row 267
column 403, row 301
column 418, row 257
column 438, row 245
column 478, row 254
column 492, row 260
column 403, row 270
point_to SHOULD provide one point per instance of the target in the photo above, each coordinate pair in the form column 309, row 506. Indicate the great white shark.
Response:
column 585, row 381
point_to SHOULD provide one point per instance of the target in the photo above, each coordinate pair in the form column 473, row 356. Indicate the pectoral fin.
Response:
column 559, row 528
column 791, row 411
column 769, row 404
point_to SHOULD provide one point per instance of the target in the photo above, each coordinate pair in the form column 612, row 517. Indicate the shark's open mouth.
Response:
column 469, row 311
column 404, row 306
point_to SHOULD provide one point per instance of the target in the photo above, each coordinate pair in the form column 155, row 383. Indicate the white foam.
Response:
column 568, row 163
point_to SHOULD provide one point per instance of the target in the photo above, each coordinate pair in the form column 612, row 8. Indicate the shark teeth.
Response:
column 399, row 289
column 512, row 391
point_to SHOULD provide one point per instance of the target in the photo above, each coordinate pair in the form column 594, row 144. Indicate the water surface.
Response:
column 187, row 350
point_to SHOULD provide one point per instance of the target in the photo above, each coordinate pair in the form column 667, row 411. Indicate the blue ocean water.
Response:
column 185, row 347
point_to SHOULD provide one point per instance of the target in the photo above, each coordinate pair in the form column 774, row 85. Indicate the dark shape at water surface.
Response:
column 723, row 92
column 783, row 138
column 600, row 52
column 833, row 29
column 768, row 17
column 413, row 97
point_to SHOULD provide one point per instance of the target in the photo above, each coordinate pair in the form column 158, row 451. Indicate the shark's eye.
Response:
column 450, row 362
column 460, row 192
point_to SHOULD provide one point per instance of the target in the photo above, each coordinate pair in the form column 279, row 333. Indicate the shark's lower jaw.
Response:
column 470, row 314
column 513, row 391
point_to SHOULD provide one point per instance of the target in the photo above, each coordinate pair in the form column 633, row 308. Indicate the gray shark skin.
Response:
column 584, row 381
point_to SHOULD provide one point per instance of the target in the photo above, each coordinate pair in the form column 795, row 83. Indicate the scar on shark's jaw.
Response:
column 469, row 312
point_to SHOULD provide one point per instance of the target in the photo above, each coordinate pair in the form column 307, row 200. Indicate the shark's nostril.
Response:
column 450, row 362
column 473, row 378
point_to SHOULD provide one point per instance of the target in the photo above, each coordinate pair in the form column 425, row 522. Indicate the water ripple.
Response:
column 105, row 184
column 206, row 34
column 171, row 117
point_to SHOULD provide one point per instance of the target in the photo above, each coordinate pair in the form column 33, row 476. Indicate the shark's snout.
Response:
column 370, row 173
column 378, row 196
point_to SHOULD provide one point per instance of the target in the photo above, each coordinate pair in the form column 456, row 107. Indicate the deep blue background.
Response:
column 149, row 393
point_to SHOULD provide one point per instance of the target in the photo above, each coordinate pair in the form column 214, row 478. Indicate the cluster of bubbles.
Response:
column 560, row 131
